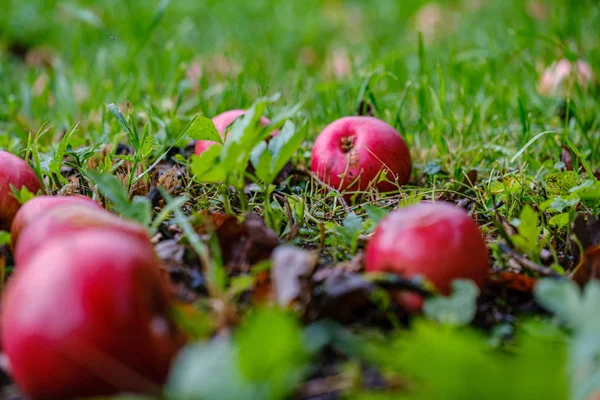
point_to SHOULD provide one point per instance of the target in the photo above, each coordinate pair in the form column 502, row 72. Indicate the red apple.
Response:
column 14, row 172
column 439, row 242
column 89, row 316
column 66, row 220
column 222, row 121
column 352, row 152
column 38, row 206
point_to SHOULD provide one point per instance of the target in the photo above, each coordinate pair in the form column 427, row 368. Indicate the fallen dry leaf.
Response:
column 244, row 244
column 291, row 267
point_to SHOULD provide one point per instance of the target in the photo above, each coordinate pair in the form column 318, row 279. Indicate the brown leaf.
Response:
column 187, row 281
column 567, row 158
column 290, row 269
column 470, row 178
column 514, row 281
column 343, row 295
column 365, row 108
column 246, row 243
column 586, row 230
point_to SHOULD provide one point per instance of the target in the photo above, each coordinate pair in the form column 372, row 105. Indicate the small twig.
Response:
column 528, row 264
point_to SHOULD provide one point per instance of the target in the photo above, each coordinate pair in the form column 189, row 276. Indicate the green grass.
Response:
column 465, row 98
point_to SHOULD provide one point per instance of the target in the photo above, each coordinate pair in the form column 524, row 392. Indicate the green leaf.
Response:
column 131, row 134
column 560, row 220
column 111, row 187
column 275, row 356
column 261, row 159
column 202, row 128
column 527, row 238
column 445, row 362
column 207, row 168
column 57, row 161
column 264, row 360
column 149, row 146
column 283, row 147
column 245, row 134
column 4, row 238
column 559, row 204
column 353, row 224
column 269, row 160
column 140, row 210
column 23, row 195
column 579, row 310
column 458, row 309
column 587, row 190
column 375, row 214
column 200, row 370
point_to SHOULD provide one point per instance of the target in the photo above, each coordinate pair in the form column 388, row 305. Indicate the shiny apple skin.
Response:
column 437, row 241
column 39, row 206
column 89, row 317
column 351, row 153
column 16, row 172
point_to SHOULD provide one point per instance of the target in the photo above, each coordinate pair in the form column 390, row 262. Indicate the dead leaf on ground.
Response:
column 342, row 295
column 586, row 233
column 244, row 244
column 513, row 281
column 290, row 270
column 186, row 278
column 567, row 158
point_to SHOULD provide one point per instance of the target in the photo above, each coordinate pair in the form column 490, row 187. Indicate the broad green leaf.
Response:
column 201, row 369
column 23, row 195
column 277, row 356
column 140, row 210
column 111, row 187
column 559, row 204
column 560, row 220
column 261, row 161
column 528, row 236
column 202, row 128
column 4, row 238
column 376, row 214
column 266, row 359
column 207, row 168
column 579, row 310
column 458, row 309
column 457, row 363
column 587, row 190
column 245, row 134
column 353, row 224
column 283, row 147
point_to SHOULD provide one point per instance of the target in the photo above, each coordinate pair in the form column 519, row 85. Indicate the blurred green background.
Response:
column 62, row 61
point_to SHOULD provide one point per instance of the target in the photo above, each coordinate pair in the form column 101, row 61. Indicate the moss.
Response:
column 560, row 183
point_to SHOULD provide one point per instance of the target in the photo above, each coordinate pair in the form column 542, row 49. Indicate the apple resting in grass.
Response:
column 88, row 316
column 439, row 242
column 39, row 206
column 222, row 121
column 352, row 152
column 66, row 220
column 16, row 172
